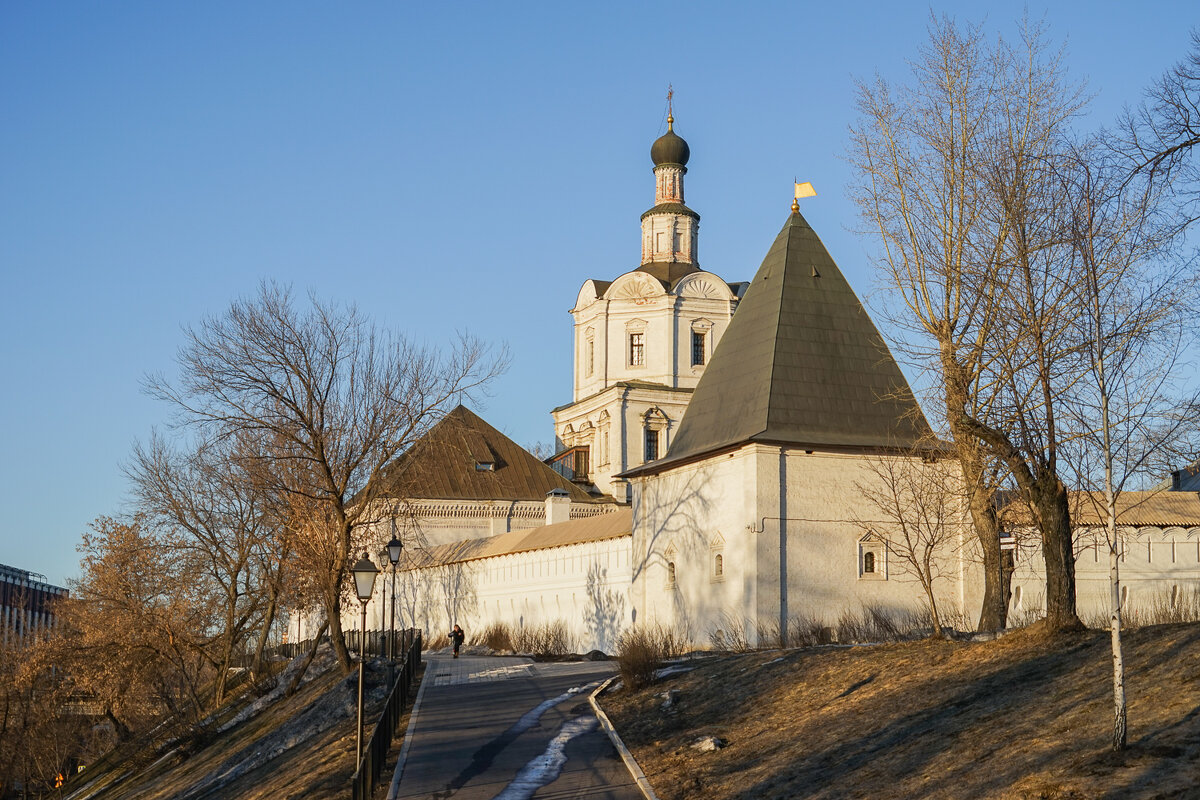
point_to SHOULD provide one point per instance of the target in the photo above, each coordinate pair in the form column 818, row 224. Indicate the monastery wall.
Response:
column 585, row 586
column 1159, row 567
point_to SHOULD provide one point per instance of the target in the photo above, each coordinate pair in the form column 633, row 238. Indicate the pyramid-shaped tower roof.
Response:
column 800, row 364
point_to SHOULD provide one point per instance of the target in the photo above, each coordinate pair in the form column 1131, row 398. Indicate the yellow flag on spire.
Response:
column 805, row 190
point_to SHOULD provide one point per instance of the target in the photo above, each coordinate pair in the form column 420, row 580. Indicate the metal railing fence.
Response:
column 408, row 645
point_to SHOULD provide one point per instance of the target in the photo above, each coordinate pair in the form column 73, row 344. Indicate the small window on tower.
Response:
column 697, row 348
column 651, row 444
column 872, row 558
column 637, row 351
column 591, row 356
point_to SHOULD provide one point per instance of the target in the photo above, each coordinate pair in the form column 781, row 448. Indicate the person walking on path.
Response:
column 457, row 637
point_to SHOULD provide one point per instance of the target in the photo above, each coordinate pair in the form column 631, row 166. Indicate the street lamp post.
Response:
column 364, row 585
column 394, row 548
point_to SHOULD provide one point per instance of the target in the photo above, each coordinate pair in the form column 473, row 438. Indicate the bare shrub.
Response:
column 547, row 639
column 1024, row 617
column 809, row 631
column 439, row 642
column 731, row 635
column 640, row 651
column 497, row 636
column 879, row 624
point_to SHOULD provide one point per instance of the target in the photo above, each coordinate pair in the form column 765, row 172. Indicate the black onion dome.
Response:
column 670, row 148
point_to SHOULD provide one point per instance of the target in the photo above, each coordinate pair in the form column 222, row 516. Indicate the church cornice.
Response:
column 624, row 385
column 671, row 208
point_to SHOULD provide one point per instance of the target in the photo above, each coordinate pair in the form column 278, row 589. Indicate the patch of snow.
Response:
column 321, row 663
column 707, row 744
column 546, row 768
column 531, row 717
column 674, row 669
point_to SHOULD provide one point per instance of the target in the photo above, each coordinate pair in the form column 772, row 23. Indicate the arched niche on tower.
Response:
column 635, row 286
column 704, row 286
column 591, row 291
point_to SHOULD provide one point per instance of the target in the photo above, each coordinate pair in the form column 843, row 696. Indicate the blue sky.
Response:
column 446, row 166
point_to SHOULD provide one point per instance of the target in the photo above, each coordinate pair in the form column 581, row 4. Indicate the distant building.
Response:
column 1185, row 480
column 25, row 605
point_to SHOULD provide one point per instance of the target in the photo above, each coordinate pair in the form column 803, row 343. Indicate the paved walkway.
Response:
column 505, row 728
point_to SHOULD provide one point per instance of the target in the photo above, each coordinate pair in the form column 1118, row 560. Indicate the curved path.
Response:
column 506, row 728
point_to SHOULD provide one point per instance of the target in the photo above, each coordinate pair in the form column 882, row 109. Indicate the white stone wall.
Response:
column 584, row 585
column 1157, row 564
column 786, row 555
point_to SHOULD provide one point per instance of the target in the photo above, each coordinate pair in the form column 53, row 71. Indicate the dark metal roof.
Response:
column 670, row 148
column 449, row 463
column 801, row 363
column 670, row 208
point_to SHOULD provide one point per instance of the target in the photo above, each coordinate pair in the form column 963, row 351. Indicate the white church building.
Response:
column 711, row 463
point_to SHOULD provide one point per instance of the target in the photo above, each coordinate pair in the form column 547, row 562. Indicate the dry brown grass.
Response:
column 1026, row 716
column 316, row 764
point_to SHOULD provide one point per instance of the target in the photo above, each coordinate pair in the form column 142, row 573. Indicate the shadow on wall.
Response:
column 675, row 514
column 605, row 611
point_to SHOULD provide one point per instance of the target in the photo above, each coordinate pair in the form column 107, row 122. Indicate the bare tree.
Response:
column 219, row 528
column 950, row 165
column 1131, row 416
column 1158, row 138
column 915, row 505
column 330, row 400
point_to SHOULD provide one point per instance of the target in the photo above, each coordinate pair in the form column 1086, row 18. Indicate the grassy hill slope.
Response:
column 1025, row 716
column 268, row 747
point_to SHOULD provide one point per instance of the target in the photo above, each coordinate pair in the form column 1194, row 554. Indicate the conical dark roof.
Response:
column 801, row 363
column 464, row 458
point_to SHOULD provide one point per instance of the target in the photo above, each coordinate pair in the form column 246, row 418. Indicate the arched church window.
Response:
column 719, row 566
column 868, row 562
column 670, row 573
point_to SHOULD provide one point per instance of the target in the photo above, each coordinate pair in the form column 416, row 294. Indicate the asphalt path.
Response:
column 503, row 728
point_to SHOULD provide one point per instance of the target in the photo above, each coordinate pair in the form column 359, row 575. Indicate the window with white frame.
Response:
column 654, row 428
column 589, row 353
column 716, row 558
column 700, row 341
column 651, row 444
column 637, row 349
column 872, row 558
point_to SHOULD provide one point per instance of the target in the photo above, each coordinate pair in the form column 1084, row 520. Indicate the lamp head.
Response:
column 364, row 577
